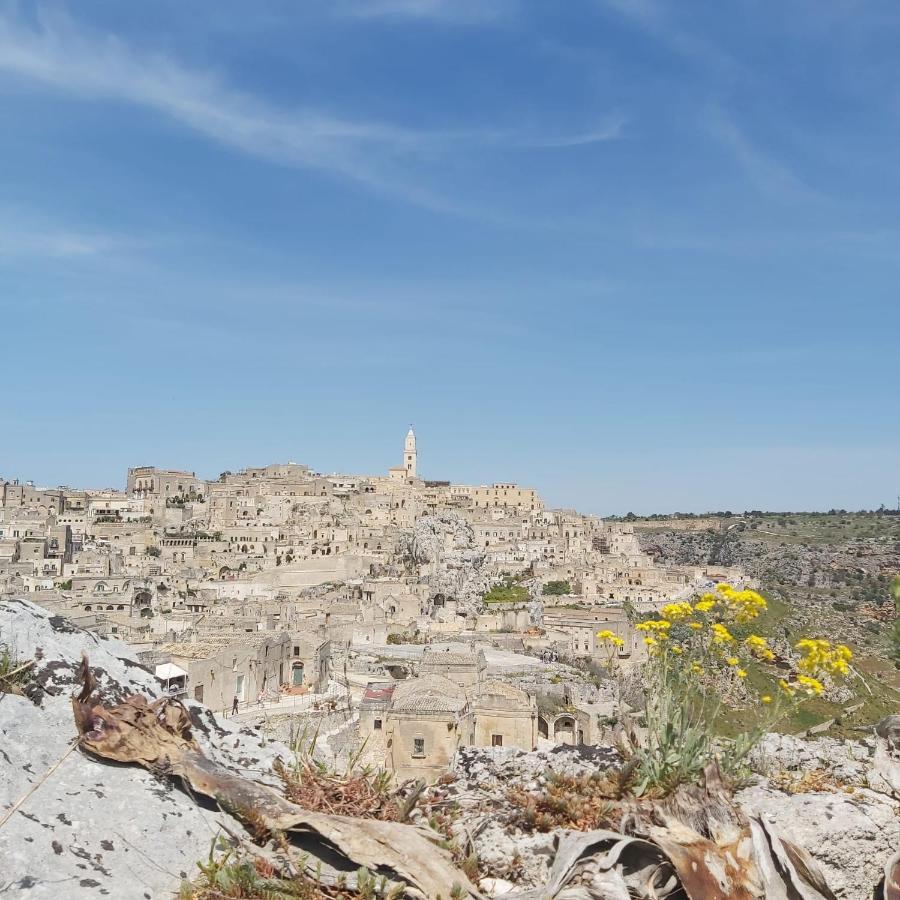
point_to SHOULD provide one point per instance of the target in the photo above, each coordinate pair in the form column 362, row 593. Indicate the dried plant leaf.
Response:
column 891, row 884
column 157, row 736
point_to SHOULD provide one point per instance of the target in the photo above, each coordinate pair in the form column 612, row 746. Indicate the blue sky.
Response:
column 639, row 255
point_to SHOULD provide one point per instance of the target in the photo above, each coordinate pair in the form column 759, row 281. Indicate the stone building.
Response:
column 428, row 718
column 465, row 668
column 221, row 667
column 504, row 716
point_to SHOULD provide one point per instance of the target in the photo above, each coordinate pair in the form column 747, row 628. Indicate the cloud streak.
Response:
column 58, row 55
column 769, row 176
column 652, row 18
column 453, row 12
column 22, row 239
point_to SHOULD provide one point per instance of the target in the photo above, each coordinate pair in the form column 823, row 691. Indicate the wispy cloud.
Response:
column 21, row 238
column 611, row 130
column 57, row 54
column 769, row 175
column 653, row 18
column 455, row 12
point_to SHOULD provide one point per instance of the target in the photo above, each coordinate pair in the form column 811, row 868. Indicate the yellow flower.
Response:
column 657, row 628
column 741, row 673
column 744, row 605
column 676, row 611
column 721, row 635
column 732, row 660
column 610, row 638
column 786, row 688
column 695, row 625
column 696, row 669
column 759, row 647
column 705, row 604
column 766, row 698
column 820, row 657
column 677, row 650
column 810, row 685
column 651, row 641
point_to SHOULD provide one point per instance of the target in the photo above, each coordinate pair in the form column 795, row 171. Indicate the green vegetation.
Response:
column 405, row 637
column 895, row 629
column 876, row 698
column 701, row 651
column 14, row 674
column 507, row 591
column 224, row 876
column 556, row 588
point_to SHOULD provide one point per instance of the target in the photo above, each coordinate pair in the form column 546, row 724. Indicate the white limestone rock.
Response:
column 851, row 836
column 443, row 546
column 92, row 829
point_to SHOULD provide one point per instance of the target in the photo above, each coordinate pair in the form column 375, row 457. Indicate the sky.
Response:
column 640, row 255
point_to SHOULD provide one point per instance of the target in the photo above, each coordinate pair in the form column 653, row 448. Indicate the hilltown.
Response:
column 402, row 618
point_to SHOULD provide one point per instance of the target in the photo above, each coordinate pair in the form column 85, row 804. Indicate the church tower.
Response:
column 409, row 454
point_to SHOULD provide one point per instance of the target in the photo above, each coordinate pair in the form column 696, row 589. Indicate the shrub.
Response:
column 695, row 649
column 556, row 588
column 506, row 593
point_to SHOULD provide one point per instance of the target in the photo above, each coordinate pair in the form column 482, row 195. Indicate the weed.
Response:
column 582, row 802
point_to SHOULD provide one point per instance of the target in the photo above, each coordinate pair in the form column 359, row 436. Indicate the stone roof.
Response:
column 431, row 657
column 427, row 694
column 208, row 645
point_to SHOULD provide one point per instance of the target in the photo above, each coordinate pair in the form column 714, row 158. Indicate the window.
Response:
column 418, row 746
column 496, row 740
column 377, row 726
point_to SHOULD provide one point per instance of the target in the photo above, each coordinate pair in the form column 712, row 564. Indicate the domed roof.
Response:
column 428, row 693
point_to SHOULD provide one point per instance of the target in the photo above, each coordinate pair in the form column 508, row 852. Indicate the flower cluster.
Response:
column 711, row 617
column 720, row 634
column 822, row 658
column 674, row 612
column 610, row 637
column 745, row 606
column 655, row 630
column 759, row 647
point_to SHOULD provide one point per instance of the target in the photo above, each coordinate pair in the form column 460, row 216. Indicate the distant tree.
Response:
column 556, row 588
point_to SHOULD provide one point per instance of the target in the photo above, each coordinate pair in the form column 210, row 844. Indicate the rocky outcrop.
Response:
column 443, row 547
column 73, row 826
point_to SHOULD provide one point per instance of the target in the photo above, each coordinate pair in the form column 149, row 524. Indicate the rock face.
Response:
column 83, row 828
column 793, row 563
column 851, row 836
column 484, row 776
column 850, row 833
column 444, row 546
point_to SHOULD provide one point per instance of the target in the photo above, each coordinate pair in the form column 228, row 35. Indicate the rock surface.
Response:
column 851, row 836
column 84, row 828
column 444, row 545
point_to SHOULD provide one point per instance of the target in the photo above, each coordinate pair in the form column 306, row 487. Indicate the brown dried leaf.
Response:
column 158, row 735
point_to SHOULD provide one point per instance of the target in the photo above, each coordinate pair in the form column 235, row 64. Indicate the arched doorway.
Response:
column 564, row 730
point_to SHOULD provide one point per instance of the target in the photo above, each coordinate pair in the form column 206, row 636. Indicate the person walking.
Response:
column 234, row 705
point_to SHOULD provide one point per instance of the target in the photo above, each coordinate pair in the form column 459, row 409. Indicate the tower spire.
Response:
column 409, row 453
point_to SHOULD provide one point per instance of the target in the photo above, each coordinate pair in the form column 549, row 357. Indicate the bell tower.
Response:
column 409, row 453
